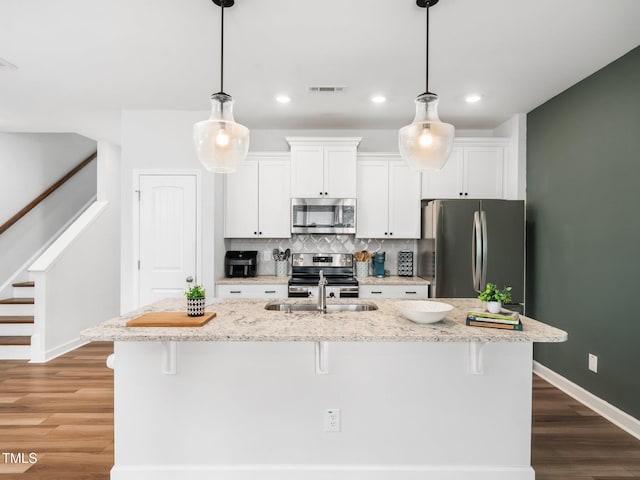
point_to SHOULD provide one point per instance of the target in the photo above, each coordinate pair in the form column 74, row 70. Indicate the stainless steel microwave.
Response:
column 323, row 215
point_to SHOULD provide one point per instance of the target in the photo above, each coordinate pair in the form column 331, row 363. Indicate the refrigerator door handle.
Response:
column 485, row 245
column 476, row 252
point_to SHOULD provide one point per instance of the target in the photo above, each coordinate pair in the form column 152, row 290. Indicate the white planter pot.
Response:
column 494, row 307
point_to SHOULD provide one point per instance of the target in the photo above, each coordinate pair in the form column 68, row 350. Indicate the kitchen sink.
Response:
column 312, row 307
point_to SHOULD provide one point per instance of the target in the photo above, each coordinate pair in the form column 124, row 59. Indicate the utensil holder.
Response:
column 282, row 268
column 362, row 269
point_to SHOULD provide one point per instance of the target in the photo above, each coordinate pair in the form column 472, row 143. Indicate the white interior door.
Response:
column 167, row 235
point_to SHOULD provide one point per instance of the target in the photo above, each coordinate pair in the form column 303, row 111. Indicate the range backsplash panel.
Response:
column 322, row 244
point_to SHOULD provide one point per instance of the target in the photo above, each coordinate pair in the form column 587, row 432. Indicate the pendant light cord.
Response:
column 222, row 46
column 427, row 50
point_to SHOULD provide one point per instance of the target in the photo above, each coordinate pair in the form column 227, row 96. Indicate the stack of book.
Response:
column 505, row 319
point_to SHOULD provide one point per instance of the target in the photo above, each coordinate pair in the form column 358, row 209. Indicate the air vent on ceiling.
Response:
column 5, row 64
column 327, row 88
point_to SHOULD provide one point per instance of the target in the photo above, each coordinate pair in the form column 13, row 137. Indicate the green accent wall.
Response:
column 583, row 232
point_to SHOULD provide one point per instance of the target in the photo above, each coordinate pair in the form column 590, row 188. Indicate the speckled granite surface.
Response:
column 271, row 279
column 392, row 280
column 258, row 280
column 246, row 320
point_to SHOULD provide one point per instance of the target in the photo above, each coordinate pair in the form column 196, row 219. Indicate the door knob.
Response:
column 189, row 279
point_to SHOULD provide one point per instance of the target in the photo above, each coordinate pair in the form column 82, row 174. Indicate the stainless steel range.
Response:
column 338, row 271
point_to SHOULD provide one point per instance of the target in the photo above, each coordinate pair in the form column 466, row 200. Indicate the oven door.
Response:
column 323, row 215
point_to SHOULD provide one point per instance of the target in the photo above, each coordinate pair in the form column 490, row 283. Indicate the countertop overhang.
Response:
column 246, row 320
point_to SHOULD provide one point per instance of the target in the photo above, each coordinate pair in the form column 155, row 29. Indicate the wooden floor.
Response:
column 63, row 412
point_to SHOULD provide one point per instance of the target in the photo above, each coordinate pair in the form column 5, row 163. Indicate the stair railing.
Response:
column 9, row 223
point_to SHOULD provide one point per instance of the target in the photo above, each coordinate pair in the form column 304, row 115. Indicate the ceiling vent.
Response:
column 327, row 88
column 5, row 64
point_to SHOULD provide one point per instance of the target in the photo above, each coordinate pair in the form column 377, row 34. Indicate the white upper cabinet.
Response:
column 257, row 198
column 323, row 167
column 388, row 199
column 475, row 169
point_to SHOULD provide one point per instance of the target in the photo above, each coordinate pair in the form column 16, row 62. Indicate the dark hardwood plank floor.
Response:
column 63, row 412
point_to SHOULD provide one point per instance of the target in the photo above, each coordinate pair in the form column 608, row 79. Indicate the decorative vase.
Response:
column 195, row 307
column 494, row 307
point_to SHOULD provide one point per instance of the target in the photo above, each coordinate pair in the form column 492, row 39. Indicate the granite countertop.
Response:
column 258, row 280
column 371, row 280
column 392, row 280
column 246, row 320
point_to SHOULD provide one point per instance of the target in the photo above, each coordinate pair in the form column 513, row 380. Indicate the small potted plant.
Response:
column 195, row 300
column 495, row 297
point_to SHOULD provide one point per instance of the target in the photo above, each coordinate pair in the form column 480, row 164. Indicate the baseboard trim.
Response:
column 321, row 472
column 44, row 357
column 616, row 416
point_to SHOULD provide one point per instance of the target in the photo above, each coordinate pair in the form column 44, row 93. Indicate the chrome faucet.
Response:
column 322, row 293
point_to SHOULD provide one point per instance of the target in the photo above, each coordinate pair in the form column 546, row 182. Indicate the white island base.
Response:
column 256, row 411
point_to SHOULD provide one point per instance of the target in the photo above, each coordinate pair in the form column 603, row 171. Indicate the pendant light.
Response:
column 426, row 143
column 221, row 143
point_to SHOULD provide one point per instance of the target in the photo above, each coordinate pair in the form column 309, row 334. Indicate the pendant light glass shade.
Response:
column 427, row 142
column 221, row 143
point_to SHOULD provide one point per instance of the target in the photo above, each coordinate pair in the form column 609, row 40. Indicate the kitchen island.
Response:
column 249, row 396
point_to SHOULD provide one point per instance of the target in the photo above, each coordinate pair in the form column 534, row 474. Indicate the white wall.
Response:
column 516, row 171
column 29, row 164
column 163, row 140
column 372, row 140
column 78, row 277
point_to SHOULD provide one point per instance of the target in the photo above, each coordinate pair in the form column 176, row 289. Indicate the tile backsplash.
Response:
column 322, row 244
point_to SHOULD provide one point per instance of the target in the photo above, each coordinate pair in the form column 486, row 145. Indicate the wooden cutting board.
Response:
column 170, row 319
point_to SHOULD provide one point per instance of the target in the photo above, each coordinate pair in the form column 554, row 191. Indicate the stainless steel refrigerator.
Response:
column 467, row 243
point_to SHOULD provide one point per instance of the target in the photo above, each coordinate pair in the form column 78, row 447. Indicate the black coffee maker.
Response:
column 240, row 263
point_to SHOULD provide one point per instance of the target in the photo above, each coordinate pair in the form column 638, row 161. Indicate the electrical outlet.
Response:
column 593, row 363
column 332, row 420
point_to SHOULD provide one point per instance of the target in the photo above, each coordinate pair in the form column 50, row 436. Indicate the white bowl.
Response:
column 424, row 311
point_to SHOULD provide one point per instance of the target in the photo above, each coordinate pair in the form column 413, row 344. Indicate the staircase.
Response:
column 16, row 323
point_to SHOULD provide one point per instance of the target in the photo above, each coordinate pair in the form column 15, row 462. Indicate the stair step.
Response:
column 24, row 284
column 15, row 352
column 9, row 319
column 17, row 301
column 15, row 340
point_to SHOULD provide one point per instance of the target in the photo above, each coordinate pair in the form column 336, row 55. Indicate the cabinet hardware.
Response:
column 466, row 193
column 255, row 233
column 378, row 293
column 326, row 193
column 410, row 293
column 235, row 291
column 269, row 291
column 320, row 193
column 390, row 233
column 259, row 233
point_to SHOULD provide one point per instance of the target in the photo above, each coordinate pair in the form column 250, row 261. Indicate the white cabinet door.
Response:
column 340, row 171
column 241, row 202
column 252, row 291
column 274, row 199
column 394, row 291
column 372, row 200
column 483, row 167
column 404, row 201
column 307, row 171
column 447, row 182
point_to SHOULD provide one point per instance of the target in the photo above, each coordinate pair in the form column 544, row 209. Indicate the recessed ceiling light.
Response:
column 473, row 98
column 378, row 99
column 283, row 99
